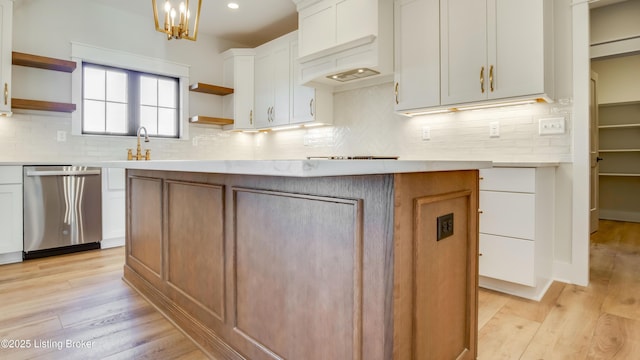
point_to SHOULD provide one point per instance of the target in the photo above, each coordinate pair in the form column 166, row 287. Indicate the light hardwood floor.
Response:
column 601, row 321
column 81, row 297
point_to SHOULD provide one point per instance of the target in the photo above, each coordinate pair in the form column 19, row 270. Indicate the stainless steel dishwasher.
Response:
column 62, row 210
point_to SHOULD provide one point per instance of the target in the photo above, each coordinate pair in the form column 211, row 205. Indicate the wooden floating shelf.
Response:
column 42, row 105
column 210, row 89
column 42, row 62
column 199, row 119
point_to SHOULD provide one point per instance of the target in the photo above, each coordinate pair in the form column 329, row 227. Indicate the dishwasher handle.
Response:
column 62, row 172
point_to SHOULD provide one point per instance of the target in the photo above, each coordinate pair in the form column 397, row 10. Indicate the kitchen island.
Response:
column 309, row 259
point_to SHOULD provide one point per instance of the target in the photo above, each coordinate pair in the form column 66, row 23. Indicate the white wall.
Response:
column 364, row 119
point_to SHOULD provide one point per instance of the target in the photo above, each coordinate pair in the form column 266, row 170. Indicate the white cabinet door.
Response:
column 508, row 179
column 463, row 51
column 417, row 54
column 280, row 59
column 494, row 49
column 6, row 8
column 272, row 84
column 238, row 69
column 508, row 214
column 303, row 97
column 507, row 259
column 113, row 203
column 317, row 27
column 329, row 23
column 10, row 218
column 263, row 89
column 515, row 48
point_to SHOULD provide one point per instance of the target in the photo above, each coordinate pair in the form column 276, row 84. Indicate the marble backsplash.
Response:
column 364, row 124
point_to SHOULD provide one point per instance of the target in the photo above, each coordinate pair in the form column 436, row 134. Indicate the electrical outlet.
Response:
column 62, row 136
column 550, row 126
column 426, row 133
column 494, row 129
column 445, row 226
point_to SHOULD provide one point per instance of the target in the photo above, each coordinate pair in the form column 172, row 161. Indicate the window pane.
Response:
column 167, row 122
column 149, row 119
column 116, row 86
column 94, row 83
column 117, row 118
column 148, row 91
column 93, row 116
column 167, row 93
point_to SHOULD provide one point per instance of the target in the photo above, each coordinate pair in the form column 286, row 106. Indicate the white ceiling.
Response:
column 253, row 24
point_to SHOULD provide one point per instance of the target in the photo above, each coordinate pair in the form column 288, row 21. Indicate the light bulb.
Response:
column 173, row 13
column 167, row 6
column 182, row 8
column 233, row 5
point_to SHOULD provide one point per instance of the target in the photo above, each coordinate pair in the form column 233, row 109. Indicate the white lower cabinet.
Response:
column 10, row 214
column 517, row 230
column 113, row 208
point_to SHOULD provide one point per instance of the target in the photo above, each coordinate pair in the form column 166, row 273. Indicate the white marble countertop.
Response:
column 295, row 168
column 525, row 164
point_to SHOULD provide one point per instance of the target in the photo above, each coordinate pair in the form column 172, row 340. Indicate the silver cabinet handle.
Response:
column 63, row 173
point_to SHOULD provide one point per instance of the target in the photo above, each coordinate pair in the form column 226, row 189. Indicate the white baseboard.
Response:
column 528, row 292
column 111, row 243
column 607, row 214
column 10, row 258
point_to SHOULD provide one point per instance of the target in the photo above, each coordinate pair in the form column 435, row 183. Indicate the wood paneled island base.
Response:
column 336, row 267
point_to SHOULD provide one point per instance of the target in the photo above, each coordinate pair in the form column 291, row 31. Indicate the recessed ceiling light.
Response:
column 233, row 5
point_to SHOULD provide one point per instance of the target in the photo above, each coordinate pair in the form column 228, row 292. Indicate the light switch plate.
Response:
column 494, row 129
column 551, row 126
column 426, row 133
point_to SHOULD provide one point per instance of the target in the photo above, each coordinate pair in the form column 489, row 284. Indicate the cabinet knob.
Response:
column 480, row 211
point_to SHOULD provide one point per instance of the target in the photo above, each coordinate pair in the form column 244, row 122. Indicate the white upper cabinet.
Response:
column 238, row 74
column 339, row 37
column 308, row 104
column 273, row 82
column 329, row 23
column 6, row 8
column 417, row 54
column 506, row 54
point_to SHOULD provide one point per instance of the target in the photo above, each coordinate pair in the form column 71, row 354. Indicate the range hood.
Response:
column 344, row 42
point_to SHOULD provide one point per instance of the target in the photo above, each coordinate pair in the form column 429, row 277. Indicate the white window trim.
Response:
column 120, row 59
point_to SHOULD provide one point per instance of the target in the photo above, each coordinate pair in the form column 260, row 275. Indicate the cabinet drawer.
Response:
column 507, row 259
column 10, row 174
column 507, row 214
column 508, row 179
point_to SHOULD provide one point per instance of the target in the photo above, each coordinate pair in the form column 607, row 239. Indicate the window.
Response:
column 118, row 101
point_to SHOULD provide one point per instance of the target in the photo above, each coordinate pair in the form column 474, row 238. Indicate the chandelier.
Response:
column 176, row 24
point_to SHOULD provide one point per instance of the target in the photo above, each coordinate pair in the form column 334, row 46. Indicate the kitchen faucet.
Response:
column 139, row 156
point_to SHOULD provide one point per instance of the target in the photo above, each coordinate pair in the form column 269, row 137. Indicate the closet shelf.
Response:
column 42, row 62
column 210, row 89
column 199, row 119
column 42, row 105
column 618, row 150
column 621, row 126
column 620, row 174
